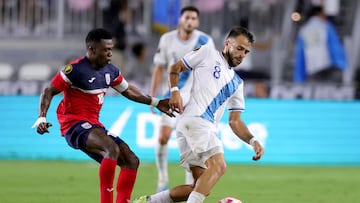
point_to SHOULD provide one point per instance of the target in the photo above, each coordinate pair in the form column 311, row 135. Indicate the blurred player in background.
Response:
column 84, row 83
column 173, row 46
column 215, row 87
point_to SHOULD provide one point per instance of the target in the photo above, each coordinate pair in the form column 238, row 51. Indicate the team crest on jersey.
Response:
column 68, row 68
column 107, row 78
column 86, row 125
column 158, row 50
column 197, row 48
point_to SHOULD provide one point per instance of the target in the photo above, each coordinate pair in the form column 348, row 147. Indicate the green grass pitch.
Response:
column 68, row 182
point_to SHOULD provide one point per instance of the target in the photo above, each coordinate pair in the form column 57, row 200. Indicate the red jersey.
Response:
column 84, row 89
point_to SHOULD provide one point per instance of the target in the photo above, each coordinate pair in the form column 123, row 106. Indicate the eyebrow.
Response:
column 241, row 46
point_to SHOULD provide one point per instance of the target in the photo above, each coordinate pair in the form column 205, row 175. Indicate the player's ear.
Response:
column 92, row 49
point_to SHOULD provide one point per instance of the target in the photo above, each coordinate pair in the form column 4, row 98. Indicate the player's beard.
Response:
column 188, row 29
column 101, row 62
column 231, row 60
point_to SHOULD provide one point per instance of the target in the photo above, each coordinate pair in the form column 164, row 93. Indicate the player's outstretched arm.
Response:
column 241, row 130
column 175, row 100
column 156, row 80
column 134, row 94
column 45, row 99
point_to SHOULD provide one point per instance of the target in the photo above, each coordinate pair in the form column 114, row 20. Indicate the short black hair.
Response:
column 238, row 30
column 137, row 48
column 315, row 10
column 190, row 8
column 96, row 35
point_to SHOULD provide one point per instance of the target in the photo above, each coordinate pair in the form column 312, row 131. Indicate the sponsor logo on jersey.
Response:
column 86, row 125
column 68, row 68
column 107, row 78
column 197, row 48
column 92, row 80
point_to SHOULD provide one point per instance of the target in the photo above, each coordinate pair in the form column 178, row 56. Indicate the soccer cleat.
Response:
column 142, row 199
column 162, row 187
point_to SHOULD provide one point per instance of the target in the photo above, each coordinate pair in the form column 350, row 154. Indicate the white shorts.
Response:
column 166, row 120
column 197, row 140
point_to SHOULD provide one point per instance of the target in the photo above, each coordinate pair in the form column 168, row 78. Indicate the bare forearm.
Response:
column 134, row 94
column 174, row 73
column 241, row 130
column 156, row 80
column 45, row 100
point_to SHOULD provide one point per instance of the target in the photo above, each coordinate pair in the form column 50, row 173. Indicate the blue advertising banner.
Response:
column 292, row 131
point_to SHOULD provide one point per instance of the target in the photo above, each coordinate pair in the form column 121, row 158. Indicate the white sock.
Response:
column 195, row 197
column 162, row 163
column 161, row 197
column 189, row 179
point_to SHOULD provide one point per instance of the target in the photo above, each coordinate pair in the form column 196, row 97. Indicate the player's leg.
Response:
column 216, row 167
column 161, row 151
column 129, row 164
column 161, row 157
column 176, row 194
column 202, row 153
column 100, row 143
column 94, row 141
column 189, row 179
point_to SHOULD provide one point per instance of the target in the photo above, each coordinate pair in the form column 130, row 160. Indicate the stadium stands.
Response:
column 35, row 71
column 7, row 71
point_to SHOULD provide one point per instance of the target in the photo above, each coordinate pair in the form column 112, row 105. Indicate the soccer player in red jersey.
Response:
column 84, row 83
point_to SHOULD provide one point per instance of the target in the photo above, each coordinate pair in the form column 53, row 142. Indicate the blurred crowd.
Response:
column 288, row 51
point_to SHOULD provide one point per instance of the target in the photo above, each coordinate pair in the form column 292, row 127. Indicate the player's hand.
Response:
column 259, row 150
column 175, row 102
column 41, row 125
column 164, row 107
column 43, row 128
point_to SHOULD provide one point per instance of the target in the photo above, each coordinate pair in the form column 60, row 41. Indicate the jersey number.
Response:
column 216, row 72
column 101, row 98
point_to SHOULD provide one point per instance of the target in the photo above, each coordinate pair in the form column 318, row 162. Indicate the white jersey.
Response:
column 215, row 85
column 171, row 49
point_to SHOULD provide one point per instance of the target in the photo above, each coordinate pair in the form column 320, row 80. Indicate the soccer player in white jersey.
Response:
column 172, row 47
column 215, row 87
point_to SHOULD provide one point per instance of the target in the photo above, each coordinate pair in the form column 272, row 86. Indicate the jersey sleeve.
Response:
column 237, row 101
column 117, row 77
column 195, row 57
column 120, row 87
column 119, row 83
column 60, row 81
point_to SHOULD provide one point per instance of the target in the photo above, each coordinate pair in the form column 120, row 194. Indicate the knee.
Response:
column 127, row 158
column 165, row 133
column 113, row 151
column 220, row 169
column 163, row 140
column 134, row 162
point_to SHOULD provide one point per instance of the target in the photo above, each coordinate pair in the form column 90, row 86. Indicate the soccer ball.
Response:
column 230, row 200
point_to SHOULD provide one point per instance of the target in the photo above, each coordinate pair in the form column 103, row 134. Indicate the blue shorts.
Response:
column 77, row 136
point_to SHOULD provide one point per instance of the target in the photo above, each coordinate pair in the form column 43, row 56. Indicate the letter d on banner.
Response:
column 147, row 125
